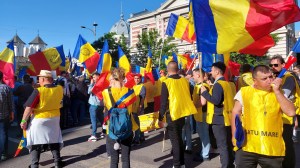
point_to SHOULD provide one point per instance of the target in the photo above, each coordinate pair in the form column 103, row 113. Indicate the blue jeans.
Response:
column 187, row 133
column 96, row 113
column 202, row 129
column 78, row 105
column 4, row 123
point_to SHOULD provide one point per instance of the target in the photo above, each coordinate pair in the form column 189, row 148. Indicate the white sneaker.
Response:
column 93, row 138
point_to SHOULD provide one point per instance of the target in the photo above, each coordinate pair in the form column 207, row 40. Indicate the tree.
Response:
column 113, row 45
column 253, row 60
column 157, row 45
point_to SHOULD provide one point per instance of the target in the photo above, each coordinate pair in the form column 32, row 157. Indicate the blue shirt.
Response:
column 93, row 100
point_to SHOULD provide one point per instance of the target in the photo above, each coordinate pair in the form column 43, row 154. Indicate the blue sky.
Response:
column 59, row 21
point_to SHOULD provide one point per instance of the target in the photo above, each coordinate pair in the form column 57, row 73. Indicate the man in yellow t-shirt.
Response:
column 260, row 109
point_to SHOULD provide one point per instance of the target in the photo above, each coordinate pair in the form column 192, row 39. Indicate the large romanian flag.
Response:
column 223, row 26
column 49, row 59
column 105, row 61
column 7, row 64
column 86, row 54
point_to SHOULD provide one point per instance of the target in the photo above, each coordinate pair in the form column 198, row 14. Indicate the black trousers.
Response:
column 175, row 132
column 125, row 152
column 222, row 134
column 289, row 160
column 251, row 160
column 36, row 153
column 149, row 108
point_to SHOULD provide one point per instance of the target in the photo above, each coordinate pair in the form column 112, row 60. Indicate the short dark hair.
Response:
column 1, row 76
column 198, row 70
column 279, row 58
column 260, row 68
column 26, row 78
column 174, row 63
column 221, row 66
column 96, row 73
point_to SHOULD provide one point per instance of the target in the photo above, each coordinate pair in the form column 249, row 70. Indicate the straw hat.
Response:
column 45, row 73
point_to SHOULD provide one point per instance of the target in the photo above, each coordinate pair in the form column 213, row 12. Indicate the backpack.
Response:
column 120, row 126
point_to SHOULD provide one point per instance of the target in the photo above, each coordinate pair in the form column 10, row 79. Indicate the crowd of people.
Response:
column 190, row 102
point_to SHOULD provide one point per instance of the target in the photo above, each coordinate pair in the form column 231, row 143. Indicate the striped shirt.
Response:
column 6, row 104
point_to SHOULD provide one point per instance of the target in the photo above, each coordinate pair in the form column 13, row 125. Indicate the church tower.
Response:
column 37, row 44
column 19, row 47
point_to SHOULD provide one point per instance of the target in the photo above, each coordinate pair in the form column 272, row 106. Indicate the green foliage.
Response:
column 113, row 45
column 158, row 46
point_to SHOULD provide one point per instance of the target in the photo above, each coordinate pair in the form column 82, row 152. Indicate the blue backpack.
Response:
column 120, row 126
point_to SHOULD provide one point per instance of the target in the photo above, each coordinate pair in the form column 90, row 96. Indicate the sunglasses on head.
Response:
column 271, row 65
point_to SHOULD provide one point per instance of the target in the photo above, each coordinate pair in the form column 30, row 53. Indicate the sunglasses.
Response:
column 271, row 65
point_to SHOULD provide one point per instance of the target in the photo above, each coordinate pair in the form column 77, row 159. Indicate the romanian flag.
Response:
column 140, row 70
column 124, row 63
column 167, row 59
column 181, row 27
column 62, row 66
column 184, row 60
column 7, row 65
column 105, row 61
column 86, row 54
column 61, row 52
column 22, row 144
column 148, row 69
column 49, row 59
column 101, row 84
column 232, row 25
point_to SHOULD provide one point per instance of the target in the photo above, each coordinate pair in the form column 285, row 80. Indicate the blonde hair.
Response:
column 118, row 74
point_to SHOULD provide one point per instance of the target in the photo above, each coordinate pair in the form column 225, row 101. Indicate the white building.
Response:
column 158, row 19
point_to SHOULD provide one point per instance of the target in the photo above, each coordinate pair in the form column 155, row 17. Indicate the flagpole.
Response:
column 159, row 61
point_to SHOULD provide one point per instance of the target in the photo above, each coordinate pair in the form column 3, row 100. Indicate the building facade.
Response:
column 158, row 19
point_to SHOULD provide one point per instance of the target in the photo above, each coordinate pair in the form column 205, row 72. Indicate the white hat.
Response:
column 45, row 73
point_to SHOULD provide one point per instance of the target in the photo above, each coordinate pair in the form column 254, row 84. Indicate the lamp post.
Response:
column 92, row 30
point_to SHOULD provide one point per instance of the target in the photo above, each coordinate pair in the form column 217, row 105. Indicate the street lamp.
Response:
column 93, row 31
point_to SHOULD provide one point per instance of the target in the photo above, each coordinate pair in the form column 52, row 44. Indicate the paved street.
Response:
column 78, row 153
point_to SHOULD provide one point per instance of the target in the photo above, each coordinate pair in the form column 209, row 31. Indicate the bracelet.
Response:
column 23, row 121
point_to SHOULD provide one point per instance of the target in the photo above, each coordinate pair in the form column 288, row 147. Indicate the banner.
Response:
column 149, row 121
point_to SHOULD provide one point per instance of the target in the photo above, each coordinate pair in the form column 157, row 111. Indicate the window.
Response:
column 144, row 30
